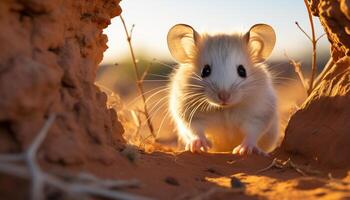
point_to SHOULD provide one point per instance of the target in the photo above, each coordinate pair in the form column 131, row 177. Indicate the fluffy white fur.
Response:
column 248, row 121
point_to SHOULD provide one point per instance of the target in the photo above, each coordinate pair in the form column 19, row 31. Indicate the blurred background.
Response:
column 153, row 19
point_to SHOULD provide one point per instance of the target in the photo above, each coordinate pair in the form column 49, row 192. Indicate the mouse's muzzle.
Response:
column 224, row 97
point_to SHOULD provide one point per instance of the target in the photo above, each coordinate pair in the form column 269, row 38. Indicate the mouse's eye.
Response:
column 241, row 71
column 206, row 71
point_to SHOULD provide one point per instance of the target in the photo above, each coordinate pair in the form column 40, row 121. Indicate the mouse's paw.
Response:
column 246, row 149
column 198, row 145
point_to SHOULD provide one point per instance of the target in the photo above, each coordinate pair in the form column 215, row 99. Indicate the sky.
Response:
column 153, row 19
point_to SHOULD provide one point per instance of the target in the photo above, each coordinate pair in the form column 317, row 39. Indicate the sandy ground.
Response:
column 166, row 175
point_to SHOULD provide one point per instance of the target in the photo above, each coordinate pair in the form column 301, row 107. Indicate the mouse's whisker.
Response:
column 192, row 102
column 188, row 105
column 205, row 106
column 201, row 101
column 162, row 122
column 158, row 75
column 284, row 78
column 147, row 92
column 154, row 112
column 152, row 115
column 191, row 99
column 195, row 78
column 157, row 107
column 155, row 93
column 164, row 64
column 159, row 101
column 270, row 67
column 196, row 75
column 193, row 85
column 154, row 80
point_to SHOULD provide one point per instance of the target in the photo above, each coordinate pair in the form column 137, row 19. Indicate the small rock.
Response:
column 131, row 153
column 171, row 181
column 236, row 183
column 213, row 171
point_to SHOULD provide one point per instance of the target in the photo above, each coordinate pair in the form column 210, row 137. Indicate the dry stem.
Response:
column 297, row 66
column 139, row 80
column 314, row 43
column 303, row 170
column 83, row 185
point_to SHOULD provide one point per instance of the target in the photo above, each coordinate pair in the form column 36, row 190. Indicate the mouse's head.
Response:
column 224, row 66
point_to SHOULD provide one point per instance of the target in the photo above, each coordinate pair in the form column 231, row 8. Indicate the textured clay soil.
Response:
column 169, row 175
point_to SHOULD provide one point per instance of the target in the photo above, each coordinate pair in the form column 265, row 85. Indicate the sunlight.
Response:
column 149, row 35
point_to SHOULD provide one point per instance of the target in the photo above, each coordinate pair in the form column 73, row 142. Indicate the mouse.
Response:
column 221, row 96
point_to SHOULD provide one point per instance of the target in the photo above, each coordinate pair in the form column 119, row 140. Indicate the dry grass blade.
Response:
column 139, row 80
column 302, row 30
column 320, row 37
column 298, row 71
column 302, row 169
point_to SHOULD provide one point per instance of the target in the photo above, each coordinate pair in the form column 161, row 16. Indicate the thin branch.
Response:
column 15, row 170
column 320, row 37
column 131, row 31
column 273, row 164
column 314, row 43
column 279, row 164
column 138, row 78
column 34, row 168
column 11, row 157
column 302, row 30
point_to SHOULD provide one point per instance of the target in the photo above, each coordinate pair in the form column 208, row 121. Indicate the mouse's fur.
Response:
column 248, row 120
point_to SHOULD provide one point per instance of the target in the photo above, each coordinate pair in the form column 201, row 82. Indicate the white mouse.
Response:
column 221, row 94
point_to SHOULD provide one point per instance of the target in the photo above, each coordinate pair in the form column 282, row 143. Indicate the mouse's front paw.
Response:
column 246, row 149
column 198, row 145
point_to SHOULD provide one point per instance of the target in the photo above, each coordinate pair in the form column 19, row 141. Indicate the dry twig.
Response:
column 303, row 170
column 297, row 66
column 298, row 71
column 83, row 184
column 314, row 43
column 139, row 79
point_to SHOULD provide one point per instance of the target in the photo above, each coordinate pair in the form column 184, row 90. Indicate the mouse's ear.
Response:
column 261, row 40
column 182, row 41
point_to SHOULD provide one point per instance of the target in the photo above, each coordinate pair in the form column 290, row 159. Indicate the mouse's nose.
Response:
column 223, row 95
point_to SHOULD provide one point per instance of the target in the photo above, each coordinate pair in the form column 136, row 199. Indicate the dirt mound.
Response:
column 335, row 18
column 320, row 129
column 49, row 54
